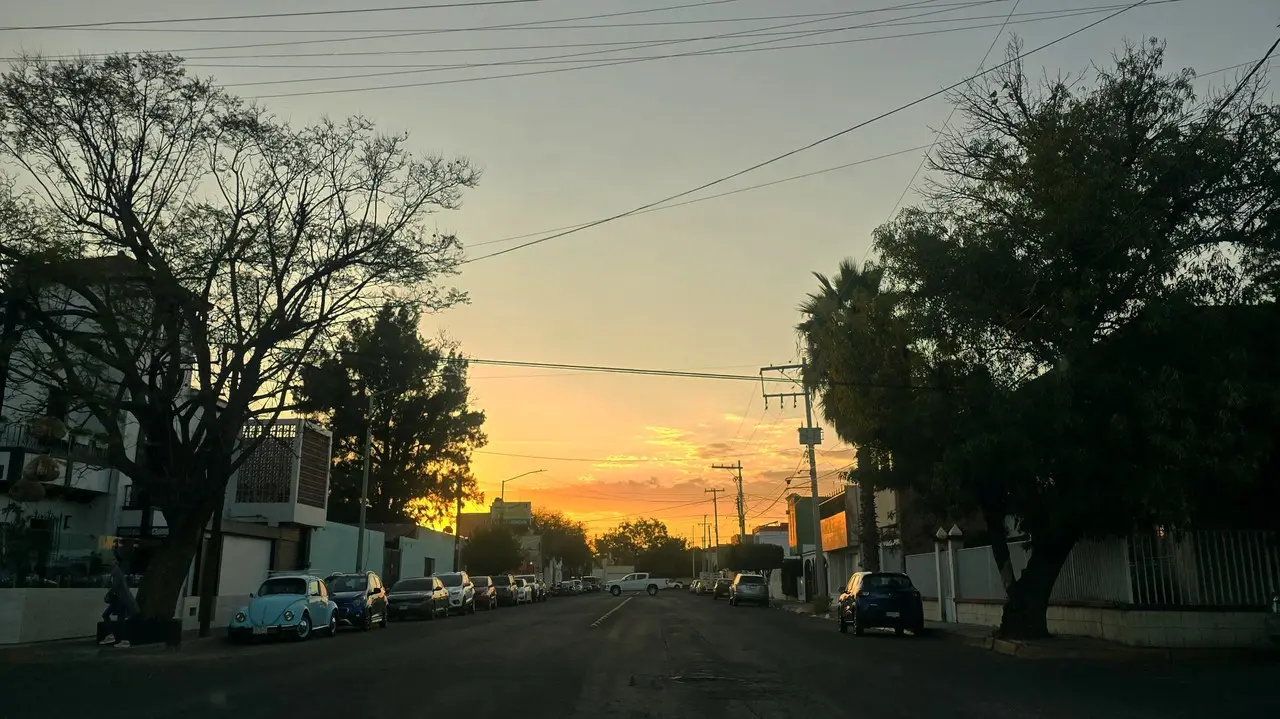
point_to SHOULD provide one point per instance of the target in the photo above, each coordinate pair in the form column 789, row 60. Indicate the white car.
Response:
column 637, row 582
column 524, row 592
column 462, row 593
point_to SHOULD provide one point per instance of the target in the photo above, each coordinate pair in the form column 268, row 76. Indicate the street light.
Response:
column 364, row 482
column 502, row 497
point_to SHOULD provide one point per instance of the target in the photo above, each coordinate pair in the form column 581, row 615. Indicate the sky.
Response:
column 712, row 285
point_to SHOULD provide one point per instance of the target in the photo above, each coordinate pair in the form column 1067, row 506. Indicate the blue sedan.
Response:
column 289, row 605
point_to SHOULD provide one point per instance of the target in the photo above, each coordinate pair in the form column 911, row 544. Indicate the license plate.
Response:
column 259, row 630
column 402, row 609
column 892, row 615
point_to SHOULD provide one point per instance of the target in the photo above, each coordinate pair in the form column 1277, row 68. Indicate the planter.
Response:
column 48, row 429
column 26, row 491
column 42, row 468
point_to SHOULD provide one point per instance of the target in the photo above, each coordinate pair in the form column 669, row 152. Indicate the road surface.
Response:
column 673, row 655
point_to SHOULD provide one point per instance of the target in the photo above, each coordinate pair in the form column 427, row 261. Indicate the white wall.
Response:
column 333, row 549
column 413, row 552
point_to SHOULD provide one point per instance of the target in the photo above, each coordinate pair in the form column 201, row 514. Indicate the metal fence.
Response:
column 1204, row 568
column 1160, row 569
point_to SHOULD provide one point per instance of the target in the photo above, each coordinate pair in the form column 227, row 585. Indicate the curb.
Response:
column 1031, row 650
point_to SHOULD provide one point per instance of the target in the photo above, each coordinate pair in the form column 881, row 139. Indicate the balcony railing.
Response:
column 19, row 436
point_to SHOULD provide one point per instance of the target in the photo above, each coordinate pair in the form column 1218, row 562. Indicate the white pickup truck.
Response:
column 637, row 582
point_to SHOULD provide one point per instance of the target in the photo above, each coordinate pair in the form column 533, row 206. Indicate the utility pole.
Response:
column 715, row 509
column 810, row 436
column 457, row 531
column 706, row 565
column 364, row 483
column 742, row 507
column 693, row 555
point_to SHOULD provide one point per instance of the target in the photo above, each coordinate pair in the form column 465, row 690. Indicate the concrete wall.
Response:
column 430, row 544
column 333, row 549
column 1139, row 628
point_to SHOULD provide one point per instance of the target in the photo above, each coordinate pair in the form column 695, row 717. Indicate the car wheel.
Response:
column 652, row 590
column 303, row 631
column 472, row 610
column 899, row 631
column 333, row 625
column 368, row 621
column 615, row 591
column 844, row 628
column 857, row 625
column 382, row 623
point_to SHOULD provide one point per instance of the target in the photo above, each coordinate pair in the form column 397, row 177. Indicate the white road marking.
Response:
column 621, row 604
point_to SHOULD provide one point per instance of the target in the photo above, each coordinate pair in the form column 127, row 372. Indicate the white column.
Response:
column 939, row 536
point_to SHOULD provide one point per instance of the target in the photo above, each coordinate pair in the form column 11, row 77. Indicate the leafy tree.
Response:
column 423, row 427
column 493, row 549
column 562, row 539
column 624, row 543
column 1028, row 309
column 203, row 253
column 665, row 557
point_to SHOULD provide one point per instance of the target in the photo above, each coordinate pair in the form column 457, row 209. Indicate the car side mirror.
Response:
column 372, row 591
column 251, row 595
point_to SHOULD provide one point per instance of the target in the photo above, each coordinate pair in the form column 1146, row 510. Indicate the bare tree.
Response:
column 218, row 252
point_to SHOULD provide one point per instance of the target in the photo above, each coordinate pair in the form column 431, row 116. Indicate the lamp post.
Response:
column 502, row 495
column 364, row 482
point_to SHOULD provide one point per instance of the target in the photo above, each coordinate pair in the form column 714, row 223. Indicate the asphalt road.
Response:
column 673, row 655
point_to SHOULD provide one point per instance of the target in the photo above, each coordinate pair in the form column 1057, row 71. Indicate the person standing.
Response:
column 120, row 603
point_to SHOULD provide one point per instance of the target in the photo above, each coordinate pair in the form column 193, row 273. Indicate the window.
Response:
column 428, row 566
column 283, row 585
column 887, row 581
column 314, row 588
column 423, row 584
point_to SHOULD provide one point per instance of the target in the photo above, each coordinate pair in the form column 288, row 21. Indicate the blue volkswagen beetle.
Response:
column 292, row 605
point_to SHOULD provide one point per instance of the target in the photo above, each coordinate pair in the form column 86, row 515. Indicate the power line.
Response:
column 810, row 145
column 588, row 53
column 945, row 123
column 576, row 65
column 612, row 62
column 757, row 32
column 264, row 16
column 527, row 25
column 610, row 460
column 513, row 26
column 668, row 373
column 749, row 188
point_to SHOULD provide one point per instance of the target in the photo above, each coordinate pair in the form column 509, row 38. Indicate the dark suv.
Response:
column 361, row 599
column 508, row 592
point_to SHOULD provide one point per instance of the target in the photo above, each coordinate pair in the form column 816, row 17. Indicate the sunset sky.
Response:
column 709, row 286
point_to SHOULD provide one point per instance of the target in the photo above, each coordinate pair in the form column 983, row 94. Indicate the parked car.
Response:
column 694, row 586
column 361, row 598
column 720, row 587
column 291, row 605
column 539, row 589
column 418, row 597
column 524, row 591
column 508, row 593
column 576, row 586
column 462, row 592
column 486, row 594
column 637, row 582
column 880, row 599
column 749, row 589
column 591, row 584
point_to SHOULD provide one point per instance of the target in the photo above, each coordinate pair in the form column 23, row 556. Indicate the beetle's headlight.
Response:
column 288, row 615
column 240, row 616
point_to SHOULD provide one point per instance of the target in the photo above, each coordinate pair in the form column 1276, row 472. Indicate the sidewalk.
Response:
column 1059, row 647
column 84, row 649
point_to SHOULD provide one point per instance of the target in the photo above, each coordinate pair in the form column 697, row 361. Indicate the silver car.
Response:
column 750, row 589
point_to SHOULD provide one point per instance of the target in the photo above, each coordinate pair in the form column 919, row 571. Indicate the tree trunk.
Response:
column 167, row 571
column 868, row 528
column 1027, row 603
